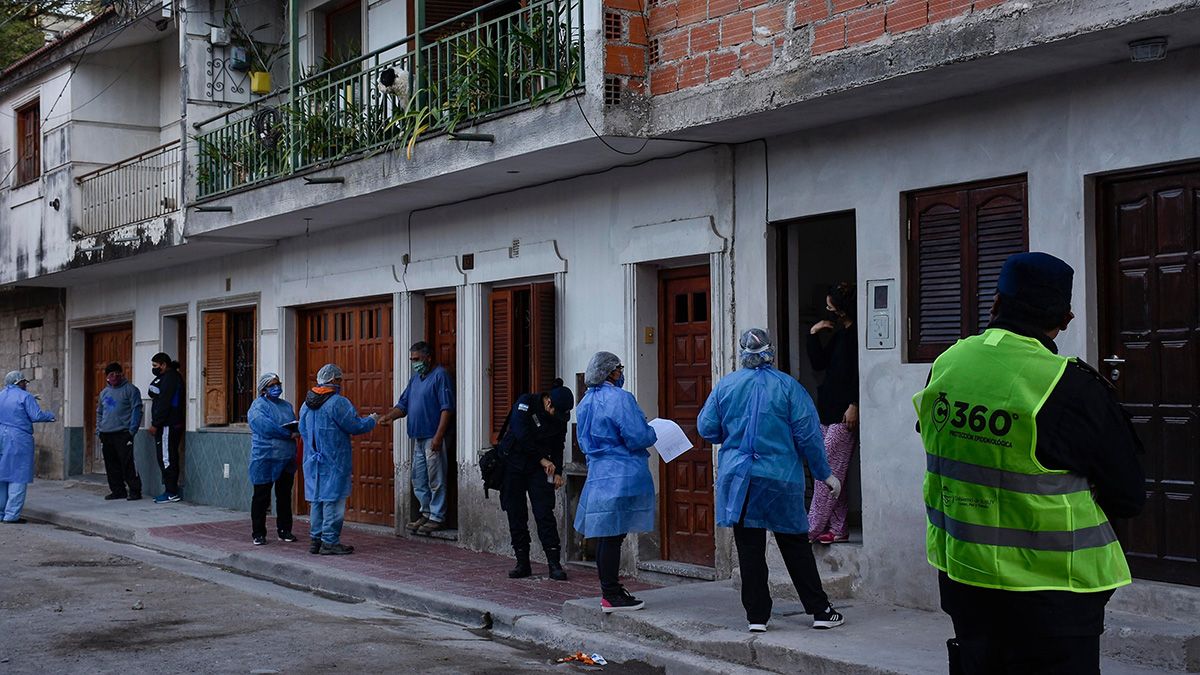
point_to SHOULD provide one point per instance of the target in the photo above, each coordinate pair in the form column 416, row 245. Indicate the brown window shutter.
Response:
column 216, row 371
column 502, row 358
column 936, row 269
column 1000, row 227
column 542, row 337
column 958, row 241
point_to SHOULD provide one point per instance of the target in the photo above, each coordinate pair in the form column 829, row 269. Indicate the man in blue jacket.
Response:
column 327, row 421
column 118, row 418
column 18, row 412
column 428, row 403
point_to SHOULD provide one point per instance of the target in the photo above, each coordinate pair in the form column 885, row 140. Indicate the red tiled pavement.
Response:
column 429, row 564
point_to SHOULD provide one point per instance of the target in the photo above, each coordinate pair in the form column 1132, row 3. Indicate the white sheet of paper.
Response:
column 672, row 442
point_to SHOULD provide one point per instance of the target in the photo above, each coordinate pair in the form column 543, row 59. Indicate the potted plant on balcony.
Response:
column 248, row 50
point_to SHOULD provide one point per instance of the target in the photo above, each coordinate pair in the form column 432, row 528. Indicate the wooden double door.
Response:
column 685, row 380
column 1150, row 349
column 358, row 338
column 102, row 347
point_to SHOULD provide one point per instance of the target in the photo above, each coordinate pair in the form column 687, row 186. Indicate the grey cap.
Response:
column 265, row 379
column 600, row 367
column 14, row 377
column 328, row 373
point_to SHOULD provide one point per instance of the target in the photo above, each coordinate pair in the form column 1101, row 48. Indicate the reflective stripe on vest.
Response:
column 1044, row 484
column 996, row 517
column 1077, row 540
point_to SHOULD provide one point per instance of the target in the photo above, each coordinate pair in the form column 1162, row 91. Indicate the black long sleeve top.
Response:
column 533, row 435
column 839, row 359
column 167, row 399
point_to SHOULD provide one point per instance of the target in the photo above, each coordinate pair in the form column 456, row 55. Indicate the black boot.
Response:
column 522, row 568
column 555, row 567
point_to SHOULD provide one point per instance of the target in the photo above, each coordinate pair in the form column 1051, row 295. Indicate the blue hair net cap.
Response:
column 328, row 373
column 755, row 340
column 1037, row 280
column 14, row 377
column 265, row 379
column 599, row 368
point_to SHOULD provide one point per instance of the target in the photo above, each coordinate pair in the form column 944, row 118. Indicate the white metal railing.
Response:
column 139, row 188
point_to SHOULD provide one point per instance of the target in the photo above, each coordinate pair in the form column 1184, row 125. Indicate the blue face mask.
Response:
column 275, row 391
column 620, row 381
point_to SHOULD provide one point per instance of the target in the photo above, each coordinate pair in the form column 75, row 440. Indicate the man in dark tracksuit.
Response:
column 532, row 447
column 166, row 422
column 118, row 418
column 1081, row 428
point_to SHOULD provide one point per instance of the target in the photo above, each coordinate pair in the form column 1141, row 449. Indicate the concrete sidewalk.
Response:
column 690, row 628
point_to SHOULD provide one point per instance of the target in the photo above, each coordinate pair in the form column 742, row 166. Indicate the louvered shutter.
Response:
column 216, row 371
column 502, row 358
column 959, row 239
column 999, row 224
column 542, row 337
column 936, row 238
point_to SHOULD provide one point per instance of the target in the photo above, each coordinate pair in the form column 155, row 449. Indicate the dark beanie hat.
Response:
column 1039, row 284
column 113, row 367
column 562, row 398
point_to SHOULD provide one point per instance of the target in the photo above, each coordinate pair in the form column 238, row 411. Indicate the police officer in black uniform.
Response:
column 532, row 446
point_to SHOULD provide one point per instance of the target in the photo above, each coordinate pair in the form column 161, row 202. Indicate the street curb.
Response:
column 505, row 622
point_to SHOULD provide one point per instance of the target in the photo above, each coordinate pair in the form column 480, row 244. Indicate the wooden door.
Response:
column 358, row 338
column 102, row 347
column 685, row 382
column 1150, row 344
column 441, row 331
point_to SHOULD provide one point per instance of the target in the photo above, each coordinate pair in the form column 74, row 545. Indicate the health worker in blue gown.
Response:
column 618, row 497
column 273, row 434
column 327, row 421
column 767, row 426
column 19, row 410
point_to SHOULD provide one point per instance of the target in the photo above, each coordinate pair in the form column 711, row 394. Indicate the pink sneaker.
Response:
column 831, row 538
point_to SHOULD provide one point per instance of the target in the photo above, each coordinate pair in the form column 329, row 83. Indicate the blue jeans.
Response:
column 429, row 478
column 12, row 500
column 325, row 520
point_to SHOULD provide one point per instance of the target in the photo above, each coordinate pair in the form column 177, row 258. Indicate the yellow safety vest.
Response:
column 997, row 518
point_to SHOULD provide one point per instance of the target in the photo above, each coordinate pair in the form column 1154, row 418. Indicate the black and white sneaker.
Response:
column 830, row 618
column 621, row 603
column 287, row 536
column 259, row 540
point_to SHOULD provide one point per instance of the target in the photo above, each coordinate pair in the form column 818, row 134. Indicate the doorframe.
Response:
column 665, row 274
column 86, row 334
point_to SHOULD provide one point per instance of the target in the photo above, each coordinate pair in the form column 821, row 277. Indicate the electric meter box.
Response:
column 881, row 314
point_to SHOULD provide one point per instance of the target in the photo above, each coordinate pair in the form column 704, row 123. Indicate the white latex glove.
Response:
column 835, row 486
column 374, row 417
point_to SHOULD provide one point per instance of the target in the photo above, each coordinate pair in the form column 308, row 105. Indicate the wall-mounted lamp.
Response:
column 1150, row 49
column 55, row 204
column 485, row 138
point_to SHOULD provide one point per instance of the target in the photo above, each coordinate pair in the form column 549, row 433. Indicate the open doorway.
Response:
column 815, row 254
column 441, row 332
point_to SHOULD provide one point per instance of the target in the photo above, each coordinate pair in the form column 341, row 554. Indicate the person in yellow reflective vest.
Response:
column 1028, row 455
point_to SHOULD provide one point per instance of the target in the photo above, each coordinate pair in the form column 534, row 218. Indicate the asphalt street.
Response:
column 74, row 603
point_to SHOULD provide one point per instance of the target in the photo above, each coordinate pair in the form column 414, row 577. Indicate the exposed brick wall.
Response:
column 625, row 49
column 694, row 42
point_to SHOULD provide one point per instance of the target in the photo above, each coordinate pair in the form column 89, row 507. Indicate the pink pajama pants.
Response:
column 826, row 514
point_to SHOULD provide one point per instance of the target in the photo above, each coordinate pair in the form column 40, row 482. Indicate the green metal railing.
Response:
column 459, row 71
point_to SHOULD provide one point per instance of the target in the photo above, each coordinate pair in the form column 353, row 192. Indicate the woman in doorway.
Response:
column 273, row 434
column 837, row 407
column 618, row 497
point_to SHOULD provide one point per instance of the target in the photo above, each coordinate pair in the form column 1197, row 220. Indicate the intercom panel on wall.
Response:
column 881, row 314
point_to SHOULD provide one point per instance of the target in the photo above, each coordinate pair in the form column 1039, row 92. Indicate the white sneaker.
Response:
column 758, row 628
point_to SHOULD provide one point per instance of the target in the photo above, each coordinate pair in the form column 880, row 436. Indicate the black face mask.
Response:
column 832, row 317
column 157, row 371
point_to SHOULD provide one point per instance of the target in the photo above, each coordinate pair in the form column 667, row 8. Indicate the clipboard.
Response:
column 293, row 426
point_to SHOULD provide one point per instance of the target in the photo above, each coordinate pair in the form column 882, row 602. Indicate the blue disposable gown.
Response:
column 326, row 434
column 18, row 411
column 272, row 450
column 618, row 496
column 765, row 422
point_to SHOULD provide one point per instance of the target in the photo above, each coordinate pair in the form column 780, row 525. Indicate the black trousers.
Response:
column 518, row 484
column 166, row 446
column 608, row 564
column 801, row 566
column 1026, row 655
column 260, row 503
column 117, row 447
